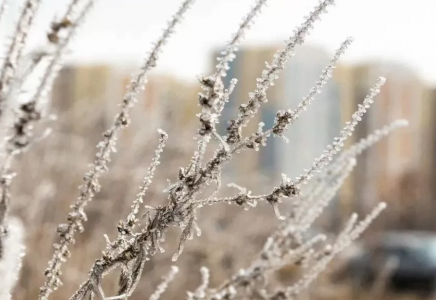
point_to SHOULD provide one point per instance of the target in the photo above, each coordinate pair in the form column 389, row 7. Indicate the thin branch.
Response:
column 271, row 73
column 215, row 97
column 15, row 50
column 21, row 132
column 161, row 288
column 106, row 147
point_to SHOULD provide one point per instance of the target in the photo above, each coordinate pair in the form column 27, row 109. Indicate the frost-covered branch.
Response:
column 373, row 138
column 200, row 292
column 181, row 210
column 16, row 47
column 283, row 119
column 271, row 73
column 286, row 118
column 12, row 252
column 338, row 142
column 291, row 188
column 131, row 274
column 351, row 232
column 321, row 180
column 106, row 147
column 284, row 247
column 19, row 133
column 60, row 36
column 164, row 285
column 215, row 95
column 288, row 245
column 140, row 238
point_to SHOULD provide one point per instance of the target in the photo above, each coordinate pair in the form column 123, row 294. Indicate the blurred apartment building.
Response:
column 400, row 169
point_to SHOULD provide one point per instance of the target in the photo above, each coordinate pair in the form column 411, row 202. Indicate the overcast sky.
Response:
column 121, row 30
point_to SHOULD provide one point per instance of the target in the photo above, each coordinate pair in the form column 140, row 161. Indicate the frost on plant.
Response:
column 19, row 127
column 12, row 249
column 143, row 232
column 164, row 285
column 133, row 248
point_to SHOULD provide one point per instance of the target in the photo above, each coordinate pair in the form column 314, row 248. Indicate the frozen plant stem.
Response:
column 286, row 245
column 58, row 39
column 345, row 238
column 164, row 285
column 373, row 138
column 142, row 233
column 20, row 133
column 68, row 26
column 182, row 207
column 291, row 188
column 271, row 73
column 106, row 147
column 286, row 118
column 13, row 252
column 132, row 217
column 130, row 275
column 213, row 100
column 318, row 185
column 15, row 50
column 347, row 131
column 314, row 210
column 282, row 122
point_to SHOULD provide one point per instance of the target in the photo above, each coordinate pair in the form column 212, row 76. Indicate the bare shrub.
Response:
column 146, row 229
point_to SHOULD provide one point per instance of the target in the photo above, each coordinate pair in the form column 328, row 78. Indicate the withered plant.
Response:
column 143, row 232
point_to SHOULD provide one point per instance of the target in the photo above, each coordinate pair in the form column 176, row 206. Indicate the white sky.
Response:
column 121, row 31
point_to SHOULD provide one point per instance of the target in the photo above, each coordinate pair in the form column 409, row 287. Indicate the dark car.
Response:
column 405, row 260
